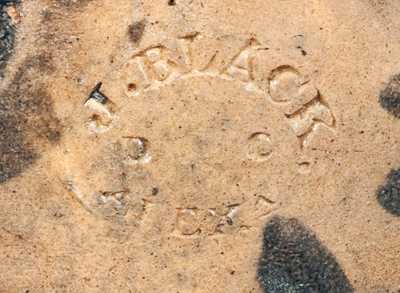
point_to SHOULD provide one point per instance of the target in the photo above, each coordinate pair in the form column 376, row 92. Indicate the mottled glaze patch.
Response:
column 294, row 260
column 7, row 35
column 389, row 97
column 26, row 119
column 388, row 195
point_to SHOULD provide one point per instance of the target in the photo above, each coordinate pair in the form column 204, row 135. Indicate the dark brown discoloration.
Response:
column 26, row 118
column 42, row 63
column 136, row 31
column 72, row 3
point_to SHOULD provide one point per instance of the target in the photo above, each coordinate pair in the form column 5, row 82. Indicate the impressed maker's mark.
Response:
column 302, row 105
